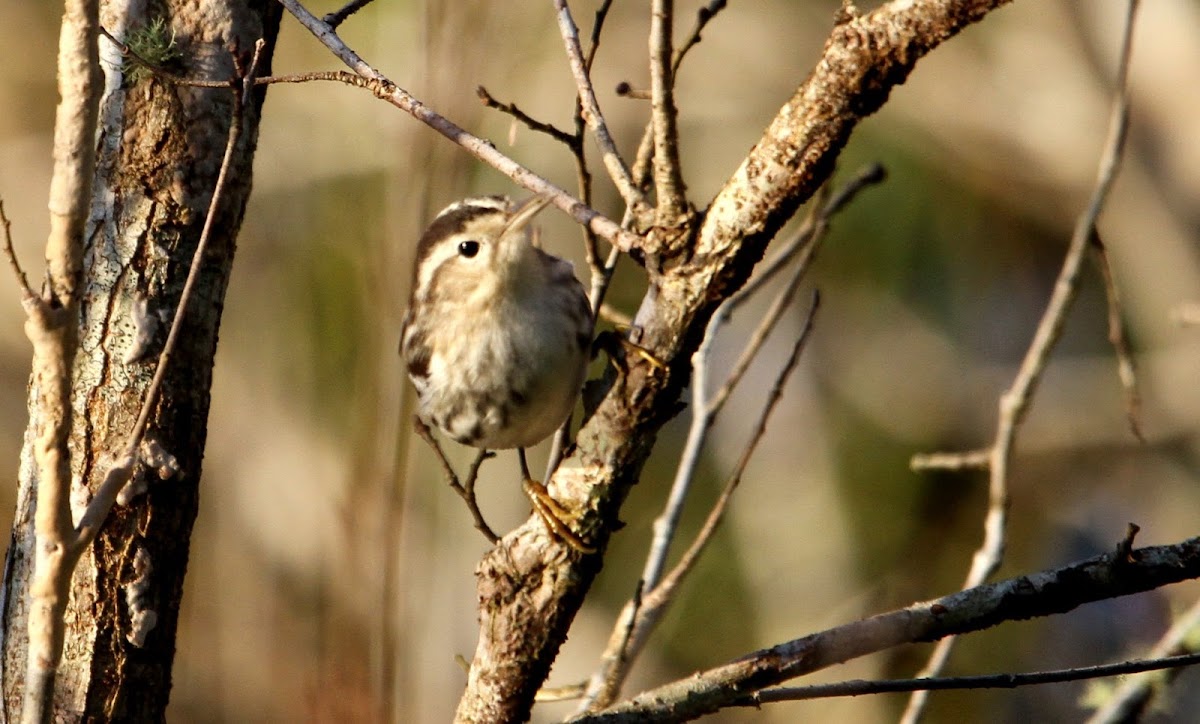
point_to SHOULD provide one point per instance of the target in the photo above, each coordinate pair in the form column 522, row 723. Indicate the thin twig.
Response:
column 1118, row 337
column 643, row 613
column 1014, row 402
column 481, row 149
column 27, row 292
column 582, row 173
column 466, row 488
column 605, row 682
column 617, row 169
column 668, row 177
column 643, row 160
column 952, row 461
column 337, row 18
column 532, row 123
column 703, row 15
column 600, row 272
column 1133, row 696
column 862, row 687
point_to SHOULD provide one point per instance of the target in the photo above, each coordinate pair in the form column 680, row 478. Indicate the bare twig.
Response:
column 645, row 152
column 621, row 649
column 1014, row 402
column 668, row 178
column 648, row 609
column 337, row 18
column 532, row 123
column 466, row 488
column 27, row 292
column 1133, row 696
column 617, row 169
column 1118, row 337
column 625, row 90
column 952, row 461
column 601, row 272
column 989, row 681
column 1033, row 595
column 484, row 150
column 703, row 15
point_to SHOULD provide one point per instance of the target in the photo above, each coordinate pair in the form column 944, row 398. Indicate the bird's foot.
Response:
column 554, row 515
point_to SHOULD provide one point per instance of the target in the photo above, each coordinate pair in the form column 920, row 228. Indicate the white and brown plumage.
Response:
column 497, row 335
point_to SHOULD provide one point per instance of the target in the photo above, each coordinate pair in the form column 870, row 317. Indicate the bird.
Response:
column 497, row 336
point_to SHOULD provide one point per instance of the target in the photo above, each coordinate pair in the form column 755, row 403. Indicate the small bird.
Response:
column 497, row 336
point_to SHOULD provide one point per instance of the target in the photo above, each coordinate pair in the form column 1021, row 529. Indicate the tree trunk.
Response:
column 160, row 147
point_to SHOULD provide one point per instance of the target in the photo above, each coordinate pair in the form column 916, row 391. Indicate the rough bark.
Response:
column 159, row 149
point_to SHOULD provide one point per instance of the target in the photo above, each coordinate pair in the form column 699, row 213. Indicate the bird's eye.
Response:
column 468, row 248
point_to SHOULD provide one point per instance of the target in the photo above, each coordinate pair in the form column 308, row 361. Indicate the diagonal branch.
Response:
column 1038, row 594
column 529, row 588
column 617, row 169
column 859, row 687
column 480, row 148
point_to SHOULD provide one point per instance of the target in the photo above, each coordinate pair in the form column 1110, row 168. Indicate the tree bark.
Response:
column 159, row 149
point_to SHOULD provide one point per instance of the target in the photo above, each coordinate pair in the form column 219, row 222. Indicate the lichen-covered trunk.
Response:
column 159, row 149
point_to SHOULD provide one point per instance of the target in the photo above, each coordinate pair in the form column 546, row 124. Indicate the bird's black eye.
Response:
column 468, row 248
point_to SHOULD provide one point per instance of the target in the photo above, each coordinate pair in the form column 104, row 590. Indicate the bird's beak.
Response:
column 525, row 212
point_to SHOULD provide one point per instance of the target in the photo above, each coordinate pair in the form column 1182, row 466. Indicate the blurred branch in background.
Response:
column 640, row 616
column 1014, row 403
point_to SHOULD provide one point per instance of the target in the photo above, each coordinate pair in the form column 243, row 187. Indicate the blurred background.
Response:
column 331, row 576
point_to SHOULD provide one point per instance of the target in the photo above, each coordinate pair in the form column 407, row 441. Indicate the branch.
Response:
column 1039, row 594
column 1014, row 403
column 645, row 152
column 617, row 169
column 532, row 123
column 1134, row 694
column 668, row 177
column 464, row 489
column 480, row 148
column 860, row 687
column 53, row 331
column 337, row 18
column 530, row 588
column 1118, row 337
